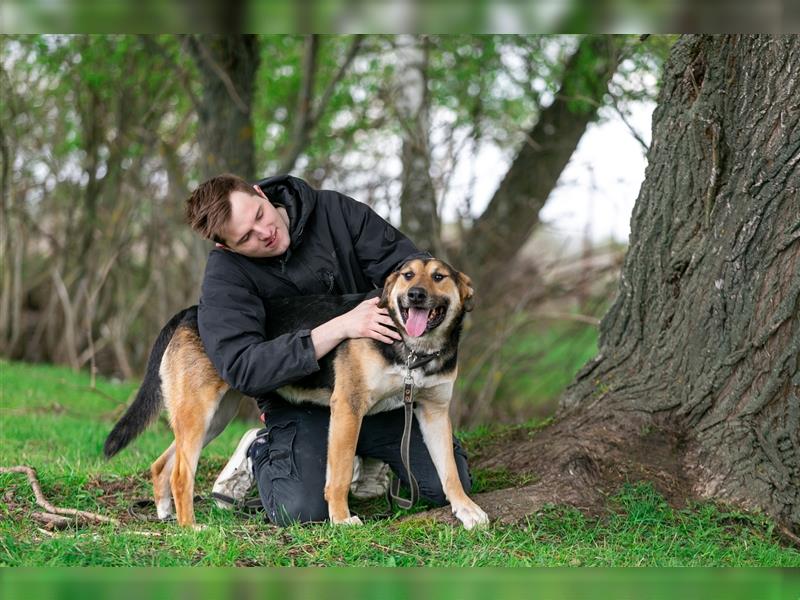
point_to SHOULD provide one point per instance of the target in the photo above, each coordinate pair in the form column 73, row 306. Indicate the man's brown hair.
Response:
column 208, row 208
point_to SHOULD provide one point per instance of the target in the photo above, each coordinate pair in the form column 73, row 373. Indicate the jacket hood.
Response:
column 296, row 196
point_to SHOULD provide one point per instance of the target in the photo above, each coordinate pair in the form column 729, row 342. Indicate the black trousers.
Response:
column 290, row 454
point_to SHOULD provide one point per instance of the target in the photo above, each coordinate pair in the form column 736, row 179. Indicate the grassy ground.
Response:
column 50, row 419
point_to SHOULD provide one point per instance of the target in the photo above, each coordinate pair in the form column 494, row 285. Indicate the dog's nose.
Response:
column 417, row 294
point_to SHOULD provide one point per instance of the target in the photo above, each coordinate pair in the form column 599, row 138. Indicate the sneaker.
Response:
column 236, row 479
column 370, row 478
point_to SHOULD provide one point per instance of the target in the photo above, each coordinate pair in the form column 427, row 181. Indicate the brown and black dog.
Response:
column 427, row 300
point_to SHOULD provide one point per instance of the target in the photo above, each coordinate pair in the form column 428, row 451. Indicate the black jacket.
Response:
column 338, row 246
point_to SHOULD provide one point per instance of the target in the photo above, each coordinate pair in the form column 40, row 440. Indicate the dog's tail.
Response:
column 147, row 404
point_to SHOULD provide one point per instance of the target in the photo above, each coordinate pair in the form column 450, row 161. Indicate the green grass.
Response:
column 51, row 420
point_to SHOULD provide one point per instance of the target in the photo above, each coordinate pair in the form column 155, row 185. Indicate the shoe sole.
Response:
column 236, row 479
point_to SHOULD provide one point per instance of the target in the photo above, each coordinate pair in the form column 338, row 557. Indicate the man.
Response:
column 282, row 238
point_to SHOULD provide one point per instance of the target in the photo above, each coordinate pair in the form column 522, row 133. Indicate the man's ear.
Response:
column 260, row 192
column 387, row 289
column 466, row 291
column 221, row 246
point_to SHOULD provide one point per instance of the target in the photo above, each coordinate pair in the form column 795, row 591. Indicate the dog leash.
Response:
column 393, row 493
column 247, row 507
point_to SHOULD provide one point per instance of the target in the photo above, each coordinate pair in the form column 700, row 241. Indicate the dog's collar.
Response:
column 414, row 360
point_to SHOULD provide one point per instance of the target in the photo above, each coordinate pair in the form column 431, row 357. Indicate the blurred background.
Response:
column 517, row 158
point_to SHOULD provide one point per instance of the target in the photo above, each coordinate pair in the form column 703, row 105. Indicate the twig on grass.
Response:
column 45, row 504
column 387, row 549
column 51, row 521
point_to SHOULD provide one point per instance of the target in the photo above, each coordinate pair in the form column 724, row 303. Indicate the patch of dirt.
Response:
column 579, row 461
column 248, row 562
column 116, row 494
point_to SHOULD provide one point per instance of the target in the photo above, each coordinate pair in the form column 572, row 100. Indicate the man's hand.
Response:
column 369, row 321
column 365, row 321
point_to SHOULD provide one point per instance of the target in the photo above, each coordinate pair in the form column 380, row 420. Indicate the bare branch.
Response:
column 615, row 105
column 45, row 504
column 328, row 93
column 308, row 116
column 154, row 47
column 304, row 118
column 204, row 52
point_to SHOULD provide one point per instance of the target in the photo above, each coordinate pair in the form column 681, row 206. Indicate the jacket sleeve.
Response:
column 380, row 247
column 231, row 319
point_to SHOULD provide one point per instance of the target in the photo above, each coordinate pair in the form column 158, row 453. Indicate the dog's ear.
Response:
column 387, row 288
column 466, row 291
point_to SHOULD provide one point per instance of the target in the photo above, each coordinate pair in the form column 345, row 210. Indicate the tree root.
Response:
column 788, row 536
column 54, row 518
column 577, row 462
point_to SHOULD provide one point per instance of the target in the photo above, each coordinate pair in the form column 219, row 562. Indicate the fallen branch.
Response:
column 51, row 521
column 45, row 504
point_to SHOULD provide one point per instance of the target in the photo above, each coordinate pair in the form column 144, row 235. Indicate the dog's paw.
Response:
column 471, row 515
column 354, row 520
column 164, row 511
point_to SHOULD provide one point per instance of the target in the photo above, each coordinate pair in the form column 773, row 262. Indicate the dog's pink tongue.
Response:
column 417, row 321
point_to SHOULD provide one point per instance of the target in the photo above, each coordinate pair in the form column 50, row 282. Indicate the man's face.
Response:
column 256, row 228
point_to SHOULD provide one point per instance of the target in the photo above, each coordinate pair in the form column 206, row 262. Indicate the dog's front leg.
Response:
column 342, row 438
column 437, row 431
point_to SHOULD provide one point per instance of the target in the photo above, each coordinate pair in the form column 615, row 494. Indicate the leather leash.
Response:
column 393, row 493
column 245, row 507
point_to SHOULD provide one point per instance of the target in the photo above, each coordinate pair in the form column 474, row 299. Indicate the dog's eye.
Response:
column 437, row 277
column 409, row 275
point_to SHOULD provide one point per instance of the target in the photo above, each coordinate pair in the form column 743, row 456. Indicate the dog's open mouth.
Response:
column 419, row 320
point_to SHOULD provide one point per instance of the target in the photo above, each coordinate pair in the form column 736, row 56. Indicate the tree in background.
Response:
column 227, row 66
column 697, row 382
column 93, row 126
column 507, row 223
column 419, row 215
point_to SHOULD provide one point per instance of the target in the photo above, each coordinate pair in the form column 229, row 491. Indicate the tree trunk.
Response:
column 513, row 213
column 697, row 383
column 418, row 214
column 227, row 66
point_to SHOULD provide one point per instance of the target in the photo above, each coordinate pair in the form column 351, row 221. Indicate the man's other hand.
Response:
column 368, row 321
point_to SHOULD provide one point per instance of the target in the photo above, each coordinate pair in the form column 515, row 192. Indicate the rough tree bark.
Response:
column 697, row 383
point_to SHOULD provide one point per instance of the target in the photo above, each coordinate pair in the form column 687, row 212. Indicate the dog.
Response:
column 426, row 299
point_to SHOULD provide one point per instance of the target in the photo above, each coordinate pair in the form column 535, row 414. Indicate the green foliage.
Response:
column 54, row 422
column 532, row 367
column 103, row 138
column 490, row 86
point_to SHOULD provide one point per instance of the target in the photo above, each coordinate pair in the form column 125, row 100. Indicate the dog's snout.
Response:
column 417, row 294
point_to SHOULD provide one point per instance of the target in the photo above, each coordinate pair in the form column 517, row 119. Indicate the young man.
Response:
column 282, row 238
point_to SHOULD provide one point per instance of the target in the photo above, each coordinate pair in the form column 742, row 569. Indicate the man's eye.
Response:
column 245, row 238
column 408, row 275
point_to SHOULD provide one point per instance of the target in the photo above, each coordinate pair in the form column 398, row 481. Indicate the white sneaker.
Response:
column 370, row 478
column 236, row 479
